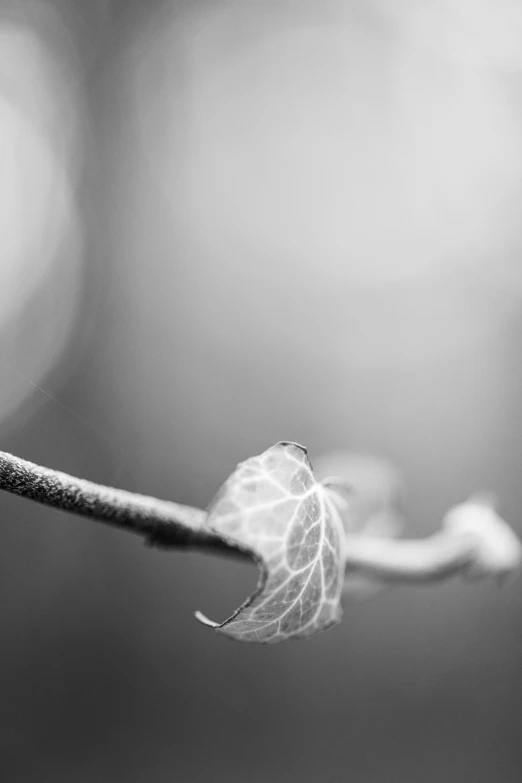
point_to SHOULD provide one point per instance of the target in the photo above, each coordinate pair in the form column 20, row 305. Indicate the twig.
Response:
column 428, row 560
column 474, row 540
column 162, row 524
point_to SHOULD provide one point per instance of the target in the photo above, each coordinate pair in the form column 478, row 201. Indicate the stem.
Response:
column 163, row 524
column 473, row 539
column 428, row 560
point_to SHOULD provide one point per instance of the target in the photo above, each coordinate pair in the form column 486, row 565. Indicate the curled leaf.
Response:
column 273, row 506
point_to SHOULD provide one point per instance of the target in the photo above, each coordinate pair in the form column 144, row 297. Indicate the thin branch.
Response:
column 474, row 540
column 428, row 560
column 163, row 524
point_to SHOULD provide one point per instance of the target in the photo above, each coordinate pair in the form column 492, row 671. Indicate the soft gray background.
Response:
column 226, row 224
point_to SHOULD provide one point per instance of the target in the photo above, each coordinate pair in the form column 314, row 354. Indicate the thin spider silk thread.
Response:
column 125, row 454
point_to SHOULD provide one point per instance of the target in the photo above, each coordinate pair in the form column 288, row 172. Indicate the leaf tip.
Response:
column 204, row 620
column 292, row 443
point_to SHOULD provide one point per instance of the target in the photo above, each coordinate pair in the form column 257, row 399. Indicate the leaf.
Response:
column 273, row 506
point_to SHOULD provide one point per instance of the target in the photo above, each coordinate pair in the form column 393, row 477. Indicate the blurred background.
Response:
column 224, row 224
